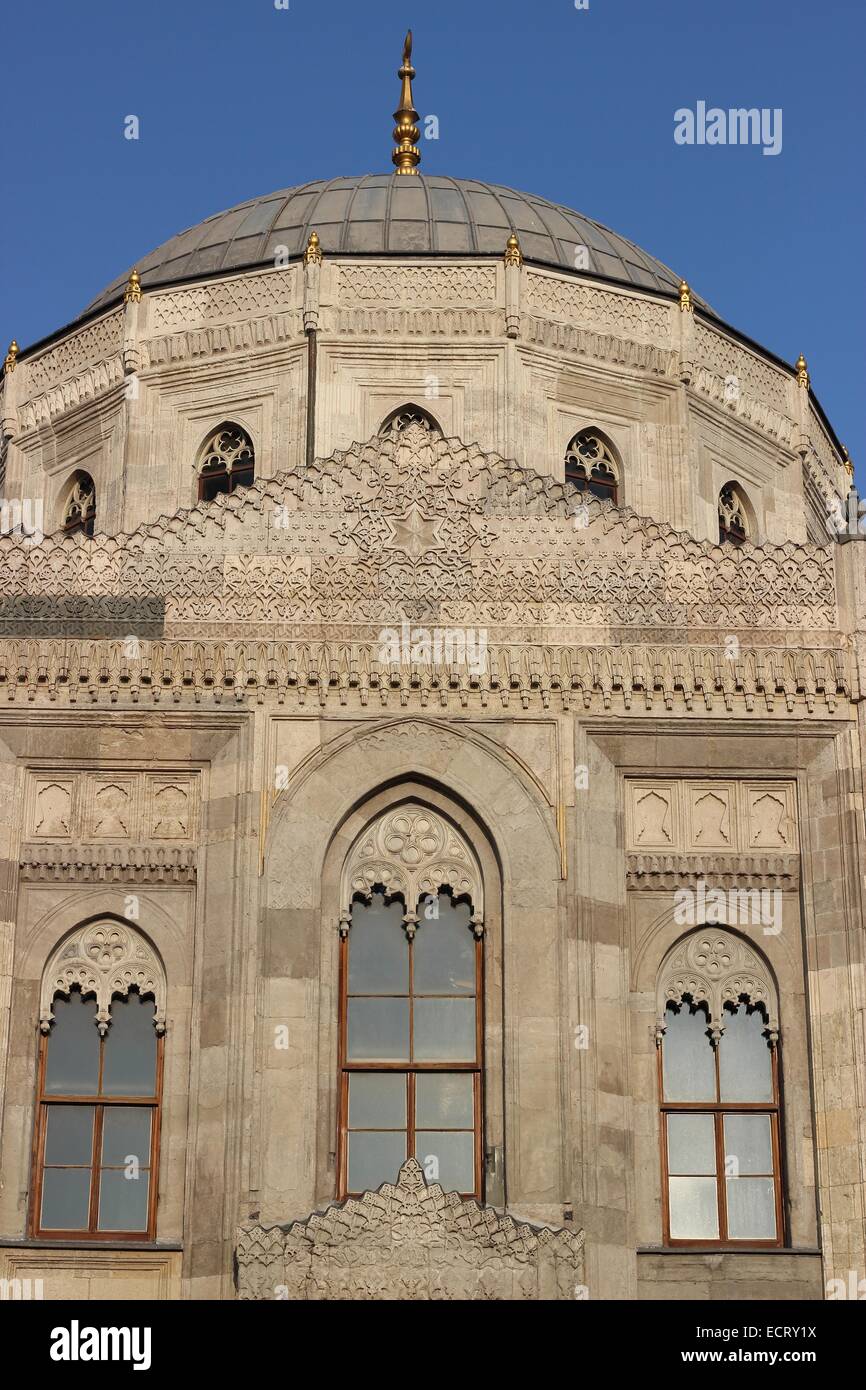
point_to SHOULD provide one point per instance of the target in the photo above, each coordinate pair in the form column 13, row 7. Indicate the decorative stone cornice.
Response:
column 664, row 872
column 41, row 863
column 104, row 958
column 408, row 1241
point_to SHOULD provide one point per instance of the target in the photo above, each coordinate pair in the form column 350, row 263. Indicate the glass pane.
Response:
column 447, row 1158
column 688, row 1064
column 691, row 1144
column 374, row 1159
column 694, row 1209
column 123, row 1200
column 751, row 1209
column 69, row 1138
column 444, row 1030
column 125, row 1135
column 444, row 948
column 745, row 1063
column 748, row 1141
column 72, row 1066
column 444, row 1100
column 378, row 949
column 378, row 1030
column 129, row 1064
column 377, row 1102
column 65, row 1199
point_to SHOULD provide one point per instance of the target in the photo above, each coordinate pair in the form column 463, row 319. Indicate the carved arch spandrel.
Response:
column 412, row 852
column 715, row 967
column 104, row 958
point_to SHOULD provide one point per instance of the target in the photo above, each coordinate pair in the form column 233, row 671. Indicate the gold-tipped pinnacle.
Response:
column 513, row 254
column 803, row 378
column 132, row 294
column 405, row 156
column 11, row 357
column 313, row 254
column 685, row 297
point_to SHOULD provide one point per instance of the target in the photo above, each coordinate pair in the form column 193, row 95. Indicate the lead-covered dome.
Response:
column 384, row 214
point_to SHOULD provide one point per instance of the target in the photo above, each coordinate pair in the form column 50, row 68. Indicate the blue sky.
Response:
column 237, row 98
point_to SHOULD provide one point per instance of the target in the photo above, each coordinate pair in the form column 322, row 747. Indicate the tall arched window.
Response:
column 79, row 511
column 226, row 461
column 591, row 465
column 406, row 415
column 719, row 1089
column 733, row 520
column 99, row 1088
column 411, row 1006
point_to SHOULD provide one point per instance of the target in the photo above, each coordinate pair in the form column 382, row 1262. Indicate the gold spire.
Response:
column 11, row 357
column 313, row 254
column 406, row 156
column 802, row 371
column 513, row 253
column 132, row 294
column 685, row 297
column 846, row 459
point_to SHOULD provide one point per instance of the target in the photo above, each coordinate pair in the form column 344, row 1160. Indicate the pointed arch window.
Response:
column 406, row 415
column 592, row 466
column 719, row 1092
column 411, row 1006
column 733, row 519
column 226, row 461
column 99, row 1088
column 79, row 512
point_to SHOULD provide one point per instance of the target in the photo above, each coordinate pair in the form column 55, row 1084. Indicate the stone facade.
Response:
column 208, row 704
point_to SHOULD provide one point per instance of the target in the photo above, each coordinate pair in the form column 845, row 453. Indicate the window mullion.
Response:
column 93, row 1216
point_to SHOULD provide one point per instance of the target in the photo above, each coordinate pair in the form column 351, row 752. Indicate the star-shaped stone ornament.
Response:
column 414, row 534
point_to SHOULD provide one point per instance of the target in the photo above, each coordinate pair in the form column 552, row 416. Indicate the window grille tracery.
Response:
column 406, row 415
column 733, row 522
column 591, row 465
column 79, row 513
column 226, row 461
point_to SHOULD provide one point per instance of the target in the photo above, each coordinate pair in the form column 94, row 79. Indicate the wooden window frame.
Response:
column 719, row 1109
column 410, row 1069
column 99, row 1104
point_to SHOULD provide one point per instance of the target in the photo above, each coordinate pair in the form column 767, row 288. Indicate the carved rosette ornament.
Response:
column 716, row 968
column 105, row 958
column 411, row 852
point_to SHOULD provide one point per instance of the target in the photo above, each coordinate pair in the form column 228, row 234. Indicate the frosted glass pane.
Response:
column 374, row 1159
column 691, row 1144
column 65, row 1199
column 447, row 1158
column 378, row 949
column 377, row 1102
column 444, row 949
column 378, row 1030
column 444, row 1030
column 72, row 1067
column 129, row 1061
column 70, row 1134
column 123, row 1200
column 688, row 1063
column 444, row 1100
column 751, row 1209
column 747, row 1139
column 745, row 1063
column 694, row 1209
column 125, row 1134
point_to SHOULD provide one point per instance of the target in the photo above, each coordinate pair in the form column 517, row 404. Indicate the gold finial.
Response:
column 513, row 253
column 11, row 357
column 405, row 156
column 846, row 459
column 132, row 294
column 802, row 371
column 313, row 254
column 685, row 297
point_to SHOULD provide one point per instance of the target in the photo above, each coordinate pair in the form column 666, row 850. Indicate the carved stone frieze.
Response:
column 88, row 347
column 54, row 863
column 104, row 958
column 667, row 871
column 411, row 1242
column 417, row 285
column 244, row 295
column 627, row 315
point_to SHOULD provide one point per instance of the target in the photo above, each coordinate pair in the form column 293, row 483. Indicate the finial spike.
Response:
column 405, row 156
column 132, row 294
column 685, row 297
column 313, row 254
column 803, row 378
column 11, row 357
column 513, row 253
